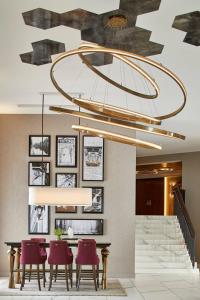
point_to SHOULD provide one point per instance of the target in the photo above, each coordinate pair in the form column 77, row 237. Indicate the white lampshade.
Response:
column 60, row 196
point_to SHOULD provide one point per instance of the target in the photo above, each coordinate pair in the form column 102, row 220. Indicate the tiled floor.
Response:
column 143, row 287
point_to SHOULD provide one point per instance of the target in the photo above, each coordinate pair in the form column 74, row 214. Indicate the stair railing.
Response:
column 185, row 222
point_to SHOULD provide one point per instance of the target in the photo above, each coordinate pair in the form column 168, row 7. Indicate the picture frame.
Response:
column 92, row 158
column 38, row 173
column 68, row 180
column 66, row 151
column 97, row 206
column 37, row 148
column 81, row 226
column 38, row 219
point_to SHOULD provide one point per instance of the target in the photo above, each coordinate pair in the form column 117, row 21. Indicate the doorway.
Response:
column 154, row 185
column 150, row 196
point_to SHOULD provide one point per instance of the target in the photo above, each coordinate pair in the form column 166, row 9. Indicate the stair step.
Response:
column 160, row 242
column 157, row 222
column 166, row 271
column 156, row 217
column 152, row 236
column 165, row 258
column 167, row 265
column 147, row 230
column 145, row 252
column 159, row 247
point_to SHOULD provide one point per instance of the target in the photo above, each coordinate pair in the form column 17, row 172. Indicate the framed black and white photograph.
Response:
column 97, row 201
column 93, row 159
column 38, row 173
column 38, row 219
column 68, row 180
column 66, row 151
column 81, row 226
column 39, row 146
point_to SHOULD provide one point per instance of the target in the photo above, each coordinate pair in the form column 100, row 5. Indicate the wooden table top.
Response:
column 72, row 243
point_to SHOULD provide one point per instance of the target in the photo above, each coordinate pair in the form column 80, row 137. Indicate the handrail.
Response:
column 185, row 222
column 179, row 198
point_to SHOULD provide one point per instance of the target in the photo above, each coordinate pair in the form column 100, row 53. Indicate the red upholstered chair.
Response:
column 87, row 255
column 30, row 255
column 60, row 254
column 43, row 253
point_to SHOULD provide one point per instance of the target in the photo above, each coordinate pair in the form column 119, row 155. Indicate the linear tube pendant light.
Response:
column 117, row 122
column 116, row 137
column 60, row 196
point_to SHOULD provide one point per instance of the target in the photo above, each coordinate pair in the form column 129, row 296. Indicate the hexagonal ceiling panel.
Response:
column 189, row 23
column 42, row 51
column 114, row 29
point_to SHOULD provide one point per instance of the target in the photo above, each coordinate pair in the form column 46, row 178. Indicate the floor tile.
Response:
column 87, row 297
column 60, row 298
column 187, row 294
column 176, row 284
column 132, row 293
column 162, row 295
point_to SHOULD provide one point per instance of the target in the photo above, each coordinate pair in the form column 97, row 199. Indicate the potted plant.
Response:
column 58, row 232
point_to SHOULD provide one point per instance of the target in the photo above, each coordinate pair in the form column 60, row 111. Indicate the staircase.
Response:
column 160, row 246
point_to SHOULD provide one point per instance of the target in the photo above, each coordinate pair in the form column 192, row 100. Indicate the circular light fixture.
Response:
column 113, row 115
column 98, row 49
column 120, row 86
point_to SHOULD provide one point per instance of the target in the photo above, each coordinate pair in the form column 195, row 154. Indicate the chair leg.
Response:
column 94, row 276
column 38, row 277
column 23, row 277
column 51, row 277
column 66, row 277
column 56, row 273
column 78, row 274
column 44, row 274
column 71, row 275
column 29, row 279
column 98, row 276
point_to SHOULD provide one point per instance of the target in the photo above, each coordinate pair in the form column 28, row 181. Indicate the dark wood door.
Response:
column 150, row 196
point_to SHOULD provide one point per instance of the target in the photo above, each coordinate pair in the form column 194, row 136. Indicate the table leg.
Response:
column 105, row 254
column 11, row 258
column 18, row 276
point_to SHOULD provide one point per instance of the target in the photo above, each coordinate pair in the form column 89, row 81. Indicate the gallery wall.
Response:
column 190, row 182
column 119, row 188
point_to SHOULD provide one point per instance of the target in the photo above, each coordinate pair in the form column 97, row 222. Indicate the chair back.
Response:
column 30, row 252
column 59, row 253
column 87, row 253
column 43, row 251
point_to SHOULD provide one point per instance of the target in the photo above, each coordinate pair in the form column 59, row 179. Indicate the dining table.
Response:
column 15, row 271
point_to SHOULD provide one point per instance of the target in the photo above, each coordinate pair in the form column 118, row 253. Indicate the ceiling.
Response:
column 22, row 83
column 166, row 169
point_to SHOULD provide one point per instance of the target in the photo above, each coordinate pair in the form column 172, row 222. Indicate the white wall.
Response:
column 119, row 188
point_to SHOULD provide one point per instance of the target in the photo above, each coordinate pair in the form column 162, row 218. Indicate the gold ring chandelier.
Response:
column 113, row 115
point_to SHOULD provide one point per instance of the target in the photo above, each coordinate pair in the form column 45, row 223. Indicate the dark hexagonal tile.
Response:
column 42, row 51
column 139, row 7
column 41, row 18
column 99, row 59
column 189, row 23
column 78, row 19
